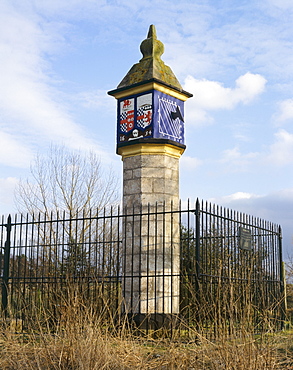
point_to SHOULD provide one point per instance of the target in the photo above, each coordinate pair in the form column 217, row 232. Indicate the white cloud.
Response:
column 29, row 100
column 282, row 4
column 236, row 160
column 285, row 111
column 248, row 87
column 212, row 95
column 97, row 99
column 281, row 152
column 231, row 154
column 235, row 154
column 7, row 186
column 276, row 206
column 237, row 196
column 190, row 162
column 13, row 152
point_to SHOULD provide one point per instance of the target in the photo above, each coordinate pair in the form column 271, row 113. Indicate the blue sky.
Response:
column 58, row 59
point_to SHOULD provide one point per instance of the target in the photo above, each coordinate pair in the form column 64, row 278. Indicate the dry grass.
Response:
column 93, row 350
column 83, row 341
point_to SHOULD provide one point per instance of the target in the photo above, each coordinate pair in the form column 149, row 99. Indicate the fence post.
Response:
column 282, row 279
column 197, row 261
column 197, row 241
column 5, row 277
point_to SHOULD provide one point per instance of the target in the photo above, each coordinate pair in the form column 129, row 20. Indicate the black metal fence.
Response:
column 230, row 267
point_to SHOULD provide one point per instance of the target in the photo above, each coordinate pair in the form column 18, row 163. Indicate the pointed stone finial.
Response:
column 150, row 67
column 152, row 31
column 152, row 47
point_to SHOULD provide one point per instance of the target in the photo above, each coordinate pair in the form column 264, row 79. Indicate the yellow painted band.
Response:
column 150, row 149
column 151, row 86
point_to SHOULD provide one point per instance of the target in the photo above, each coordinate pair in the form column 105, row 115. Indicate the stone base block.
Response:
column 153, row 321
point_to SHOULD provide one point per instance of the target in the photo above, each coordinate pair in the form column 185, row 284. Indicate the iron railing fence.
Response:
column 232, row 264
column 126, row 262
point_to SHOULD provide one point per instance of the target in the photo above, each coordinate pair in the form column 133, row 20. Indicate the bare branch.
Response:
column 68, row 181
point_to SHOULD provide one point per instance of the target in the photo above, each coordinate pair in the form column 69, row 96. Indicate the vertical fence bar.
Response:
column 5, row 278
column 282, row 279
column 197, row 243
column 155, row 272
column 197, row 258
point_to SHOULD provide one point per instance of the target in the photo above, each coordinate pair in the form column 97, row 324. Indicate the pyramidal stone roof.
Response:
column 150, row 67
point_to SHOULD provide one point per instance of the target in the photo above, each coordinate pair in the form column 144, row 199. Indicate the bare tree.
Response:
column 66, row 241
column 71, row 187
column 68, row 181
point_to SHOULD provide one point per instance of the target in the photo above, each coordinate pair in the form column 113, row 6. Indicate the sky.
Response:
column 59, row 58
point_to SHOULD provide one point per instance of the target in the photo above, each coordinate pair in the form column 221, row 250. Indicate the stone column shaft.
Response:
column 152, row 234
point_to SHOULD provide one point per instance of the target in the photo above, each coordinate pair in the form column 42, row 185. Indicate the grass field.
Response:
column 83, row 341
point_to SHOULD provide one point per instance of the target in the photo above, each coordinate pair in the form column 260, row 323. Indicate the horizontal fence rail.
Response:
column 217, row 269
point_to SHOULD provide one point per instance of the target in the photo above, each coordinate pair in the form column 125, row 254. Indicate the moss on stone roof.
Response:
column 151, row 65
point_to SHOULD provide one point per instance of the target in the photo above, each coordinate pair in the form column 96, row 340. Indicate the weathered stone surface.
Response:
column 151, row 65
column 128, row 174
column 152, row 243
column 155, row 178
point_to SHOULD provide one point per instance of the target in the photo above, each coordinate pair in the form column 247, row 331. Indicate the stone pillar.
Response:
column 150, row 139
column 152, row 231
column 152, row 176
